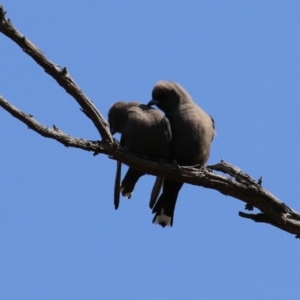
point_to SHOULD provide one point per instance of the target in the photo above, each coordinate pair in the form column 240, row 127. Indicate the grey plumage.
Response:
column 192, row 133
column 145, row 132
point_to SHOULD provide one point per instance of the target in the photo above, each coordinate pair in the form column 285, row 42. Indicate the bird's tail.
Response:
column 165, row 206
column 129, row 182
column 156, row 191
column 117, row 185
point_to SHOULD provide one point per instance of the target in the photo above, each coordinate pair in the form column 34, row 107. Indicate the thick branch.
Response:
column 60, row 74
column 241, row 187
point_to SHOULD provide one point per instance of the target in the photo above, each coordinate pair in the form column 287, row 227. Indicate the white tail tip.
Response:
column 126, row 195
column 162, row 219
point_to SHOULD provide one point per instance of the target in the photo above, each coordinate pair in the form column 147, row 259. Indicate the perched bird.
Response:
column 145, row 132
column 192, row 133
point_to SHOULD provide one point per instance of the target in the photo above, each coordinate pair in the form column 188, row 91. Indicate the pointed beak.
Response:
column 153, row 102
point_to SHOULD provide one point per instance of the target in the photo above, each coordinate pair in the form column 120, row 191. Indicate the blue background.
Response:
column 60, row 235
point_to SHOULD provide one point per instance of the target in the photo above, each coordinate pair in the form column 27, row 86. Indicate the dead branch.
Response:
column 235, row 183
column 60, row 74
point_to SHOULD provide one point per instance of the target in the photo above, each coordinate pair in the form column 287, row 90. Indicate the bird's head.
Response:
column 169, row 96
column 117, row 113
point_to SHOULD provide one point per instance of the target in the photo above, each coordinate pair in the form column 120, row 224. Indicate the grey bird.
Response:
column 144, row 132
column 192, row 133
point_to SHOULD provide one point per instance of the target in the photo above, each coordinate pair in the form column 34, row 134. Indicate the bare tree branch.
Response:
column 60, row 74
column 236, row 183
column 239, row 185
column 47, row 132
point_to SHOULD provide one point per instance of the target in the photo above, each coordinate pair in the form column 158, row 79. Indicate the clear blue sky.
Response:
column 60, row 235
